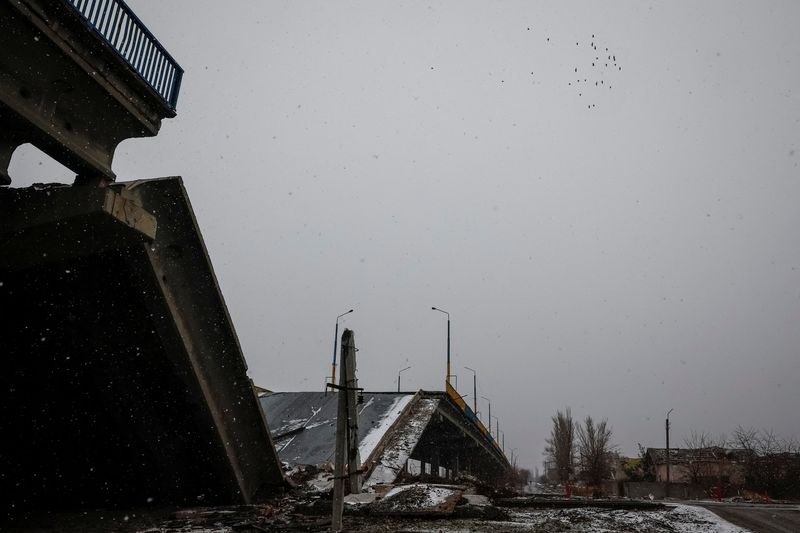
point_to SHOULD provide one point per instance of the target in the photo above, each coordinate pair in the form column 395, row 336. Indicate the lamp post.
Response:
column 398, row 377
column 668, row 458
column 474, row 389
column 447, row 377
column 490, row 413
column 335, row 339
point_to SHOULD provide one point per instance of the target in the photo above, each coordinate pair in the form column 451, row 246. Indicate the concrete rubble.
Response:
column 417, row 507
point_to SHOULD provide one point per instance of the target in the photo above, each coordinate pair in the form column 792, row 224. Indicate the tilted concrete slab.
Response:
column 123, row 381
column 390, row 460
column 304, row 423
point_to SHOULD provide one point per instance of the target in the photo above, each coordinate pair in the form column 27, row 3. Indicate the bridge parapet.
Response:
column 122, row 30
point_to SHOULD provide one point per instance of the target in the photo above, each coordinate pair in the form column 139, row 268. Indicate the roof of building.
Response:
column 685, row 455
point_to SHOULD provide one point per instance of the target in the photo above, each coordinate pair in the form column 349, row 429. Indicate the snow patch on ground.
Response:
column 436, row 496
column 717, row 524
column 675, row 519
column 419, row 498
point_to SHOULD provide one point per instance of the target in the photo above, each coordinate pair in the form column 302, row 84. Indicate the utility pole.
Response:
column 668, row 457
column 447, row 377
column 349, row 371
column 346, row 431
column 490, row 413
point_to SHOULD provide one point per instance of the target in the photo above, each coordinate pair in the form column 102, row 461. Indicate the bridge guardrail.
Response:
column 121, row 29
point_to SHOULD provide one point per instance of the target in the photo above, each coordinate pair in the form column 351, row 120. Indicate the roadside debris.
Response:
column 417, row 508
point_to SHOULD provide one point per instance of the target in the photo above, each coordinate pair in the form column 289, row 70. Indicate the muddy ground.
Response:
column 294, row 516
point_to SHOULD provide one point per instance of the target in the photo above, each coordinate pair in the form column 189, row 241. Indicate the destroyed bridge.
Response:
column 401, row 436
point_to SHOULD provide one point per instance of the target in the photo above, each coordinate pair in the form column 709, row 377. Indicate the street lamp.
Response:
column 668, row 459
column 474, row 389
column 447, row 377
column 398, row 377
column 335, row 339
column 490, row 413
column 497, row 428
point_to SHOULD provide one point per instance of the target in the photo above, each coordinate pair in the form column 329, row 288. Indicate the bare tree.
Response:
column 561, row 445
column 771, row 464
column 697, row 446
column 595, row 451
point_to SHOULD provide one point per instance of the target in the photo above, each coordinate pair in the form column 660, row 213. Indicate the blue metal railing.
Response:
column 119, row 26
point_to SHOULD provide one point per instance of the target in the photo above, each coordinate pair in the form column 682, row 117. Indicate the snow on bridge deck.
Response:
column 303, row 424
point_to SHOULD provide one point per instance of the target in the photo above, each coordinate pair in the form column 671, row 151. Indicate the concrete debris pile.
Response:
column 415, row 501
column 311, row 479
column 418, row 499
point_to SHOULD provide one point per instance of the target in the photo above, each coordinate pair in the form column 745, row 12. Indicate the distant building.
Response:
column 701, row 465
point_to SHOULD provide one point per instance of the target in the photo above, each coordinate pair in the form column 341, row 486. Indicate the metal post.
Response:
column 336, row 338
column 398, row 377
column 490, row 414
column 447, row 376
column 448, row 346
column 474, row 390
column 668, row 457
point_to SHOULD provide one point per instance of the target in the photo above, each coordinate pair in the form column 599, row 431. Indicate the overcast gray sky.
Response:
column 621, row 238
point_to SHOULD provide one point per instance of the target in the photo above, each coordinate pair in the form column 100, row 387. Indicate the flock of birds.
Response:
column 596, row 73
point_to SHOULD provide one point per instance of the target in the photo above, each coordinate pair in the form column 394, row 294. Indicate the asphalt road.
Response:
column 760, row 518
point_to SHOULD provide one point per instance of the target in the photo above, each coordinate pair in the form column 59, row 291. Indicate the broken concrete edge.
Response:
column 126, row 189
column 368, row 465
column 165, row 196
column 174, row 268
column 390, row 465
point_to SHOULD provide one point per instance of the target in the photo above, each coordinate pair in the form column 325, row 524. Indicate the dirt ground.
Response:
column 283, row 516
